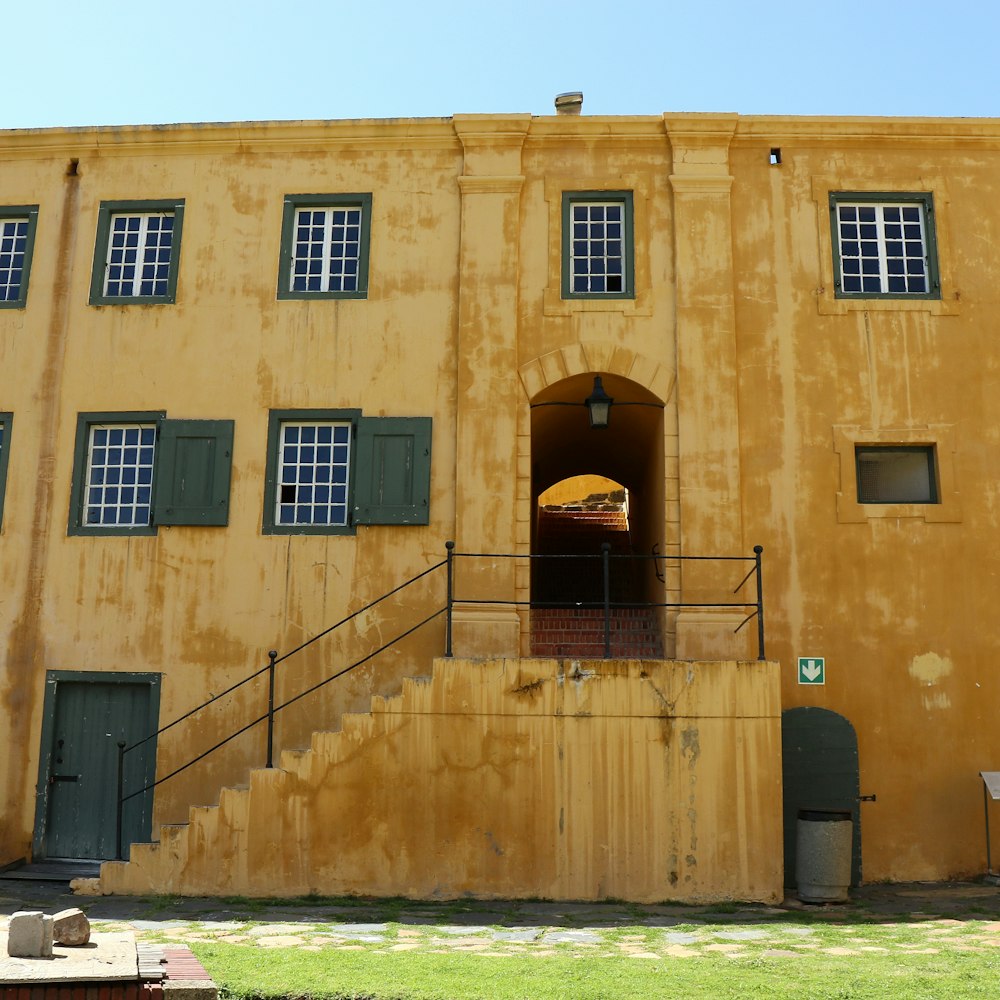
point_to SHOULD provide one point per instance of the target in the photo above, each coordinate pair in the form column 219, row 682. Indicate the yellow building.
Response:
column 256, row 376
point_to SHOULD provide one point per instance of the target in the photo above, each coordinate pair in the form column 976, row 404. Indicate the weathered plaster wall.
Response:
column 899, row 601
column 203, row 605
column 765, row 379
column 516, row 778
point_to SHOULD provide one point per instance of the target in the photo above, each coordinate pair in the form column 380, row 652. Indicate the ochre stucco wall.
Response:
column 760, row 380
column 642, row 781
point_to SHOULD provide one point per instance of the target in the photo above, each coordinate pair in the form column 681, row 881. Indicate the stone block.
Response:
column 71, row 927
column 87, row 887
column 29, row 935
column 190, row 989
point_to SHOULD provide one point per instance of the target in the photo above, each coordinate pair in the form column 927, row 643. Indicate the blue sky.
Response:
column 108, row 62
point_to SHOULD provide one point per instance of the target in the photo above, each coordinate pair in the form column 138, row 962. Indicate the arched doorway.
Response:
column 591, row 486
column 819, row 763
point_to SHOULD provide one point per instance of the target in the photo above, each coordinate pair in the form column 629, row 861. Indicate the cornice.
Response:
column 701, row 183
column 868, row 131
column 490, row 185
column 503, row 131
column 212, row 137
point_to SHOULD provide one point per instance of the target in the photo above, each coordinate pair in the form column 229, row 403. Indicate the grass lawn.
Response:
column 885, row 963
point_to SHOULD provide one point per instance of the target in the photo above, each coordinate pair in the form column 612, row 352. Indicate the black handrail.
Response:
column 272, row 710
column 448, row 610
column 607, row 604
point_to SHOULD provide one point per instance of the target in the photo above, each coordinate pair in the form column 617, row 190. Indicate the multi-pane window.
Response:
column 896, row 474
column 329, row 471
column 324, row 246
column 119, row 477
column 327, row 249
column 313, row 474
column 135, row 471
column 13, row 242
column 17, row 231
column 884, row 245
column 597, row 244
column 137, row 252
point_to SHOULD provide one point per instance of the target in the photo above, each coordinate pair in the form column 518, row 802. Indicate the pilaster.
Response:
column 488, row 388
column 707, row 390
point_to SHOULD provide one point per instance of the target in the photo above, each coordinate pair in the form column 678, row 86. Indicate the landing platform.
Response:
column 108, row 958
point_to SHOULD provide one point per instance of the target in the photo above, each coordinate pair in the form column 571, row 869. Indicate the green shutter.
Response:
column 392, row 471
column 193, row 468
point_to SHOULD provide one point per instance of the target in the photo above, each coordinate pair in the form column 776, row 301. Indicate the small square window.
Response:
column 17, row 240
column 597, row 245
column 137, row 252
column 884, row 245
column 324, row 246
column 896, row 474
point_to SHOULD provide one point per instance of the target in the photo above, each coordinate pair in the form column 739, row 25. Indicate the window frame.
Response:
column 923, row 199
column 6, row 420
column 182, row 463
column 276, row 419
column 929, row 451
column 625, row 198
column 110, row 209
column 944, row 438
column 30, row 212
column 81, row 453
column 292, row 204
column 388, row 477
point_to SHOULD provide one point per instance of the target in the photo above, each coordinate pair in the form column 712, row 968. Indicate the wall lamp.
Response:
column 598, row 405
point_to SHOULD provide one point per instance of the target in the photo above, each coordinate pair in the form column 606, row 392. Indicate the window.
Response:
column 597, row 244
column 330, row 470
column 324, row 246
column 883, row 245
column 136, row 471
column 896, row 474
column 17, row 240
column 137, row 252
column 6, row 419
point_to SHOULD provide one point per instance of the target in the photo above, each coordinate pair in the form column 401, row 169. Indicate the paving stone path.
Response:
column 913, row 919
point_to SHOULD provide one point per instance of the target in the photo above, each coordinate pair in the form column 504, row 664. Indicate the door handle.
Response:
column 53, row 778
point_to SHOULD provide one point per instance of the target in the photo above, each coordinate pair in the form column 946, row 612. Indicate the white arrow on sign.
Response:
column 811, row 670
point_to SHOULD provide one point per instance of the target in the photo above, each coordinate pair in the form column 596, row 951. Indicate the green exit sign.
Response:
column 812, row 670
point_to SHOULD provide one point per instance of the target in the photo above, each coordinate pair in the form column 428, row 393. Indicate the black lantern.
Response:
column 598, row 405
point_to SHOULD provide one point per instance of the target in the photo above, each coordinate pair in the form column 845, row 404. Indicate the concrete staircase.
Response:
column 511, row 778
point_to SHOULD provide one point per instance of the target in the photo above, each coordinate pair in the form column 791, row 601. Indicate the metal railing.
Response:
column 605, row 602
column 274, row 660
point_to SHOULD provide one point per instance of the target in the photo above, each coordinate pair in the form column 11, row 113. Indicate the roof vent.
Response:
column 570, row 103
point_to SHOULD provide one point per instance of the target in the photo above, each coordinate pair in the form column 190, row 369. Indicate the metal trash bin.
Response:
column 823, row 855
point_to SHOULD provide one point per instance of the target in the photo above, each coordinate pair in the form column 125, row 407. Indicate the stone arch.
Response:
column 597, row 356
column 565, row 374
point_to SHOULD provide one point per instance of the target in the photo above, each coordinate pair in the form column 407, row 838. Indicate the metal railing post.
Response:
column 757, row 550
column 606, row 568
column 449, row 571
column 272, row 656
column 120, row 813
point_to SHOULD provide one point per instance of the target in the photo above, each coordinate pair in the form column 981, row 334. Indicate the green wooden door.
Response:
column 819, row 760
column 86, row 715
